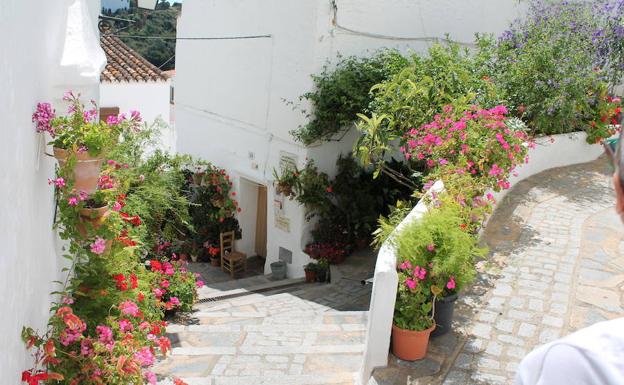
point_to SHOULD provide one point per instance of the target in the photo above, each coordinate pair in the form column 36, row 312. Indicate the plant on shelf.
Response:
column 439, row 243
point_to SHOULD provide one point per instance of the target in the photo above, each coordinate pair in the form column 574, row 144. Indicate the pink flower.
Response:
column 164, row 284
column 112, row 121
column 495, row 170
column 125, row 325
column 86, row 347
column 442, row 161
column 169, row 270
column 117, row 206
column 83, row 196
column 58, row 182
column 68, row 300
column 420, row 273
column 145, row 357
column 73, row 201
column 490, row 197
column 431, row 247
column 141, row 177
column 135, row 115
column 410, row 283
column 450, row 284
column 105, row 334
column 150, row 377
column 199, row 283
column 405, row 265
column 175, row 301
column 43, row 118
column 130, row 308
column 158, row 292
column 98, row 246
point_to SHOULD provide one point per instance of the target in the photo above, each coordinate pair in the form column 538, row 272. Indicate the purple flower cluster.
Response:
column 43, row 118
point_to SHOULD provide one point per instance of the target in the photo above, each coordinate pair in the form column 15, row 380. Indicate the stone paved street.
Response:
column 556, row 265
column 310, row 334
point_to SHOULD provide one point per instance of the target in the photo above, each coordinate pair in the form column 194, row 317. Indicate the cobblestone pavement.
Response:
column 312, row 334
column 556, row 265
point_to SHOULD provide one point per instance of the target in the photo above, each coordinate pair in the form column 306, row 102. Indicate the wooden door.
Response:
column 261, row 223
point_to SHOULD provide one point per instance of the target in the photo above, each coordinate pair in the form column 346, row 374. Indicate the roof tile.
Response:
column 125, row 64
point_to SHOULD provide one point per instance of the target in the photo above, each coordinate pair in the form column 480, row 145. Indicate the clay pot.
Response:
column 310, row 276
column 214, row 262
column 86, row 170
column 410, row 345
column 96, row 217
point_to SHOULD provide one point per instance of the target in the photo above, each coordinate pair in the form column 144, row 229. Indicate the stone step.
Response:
column 245, row 286
column 350, row 327
column 347, row 378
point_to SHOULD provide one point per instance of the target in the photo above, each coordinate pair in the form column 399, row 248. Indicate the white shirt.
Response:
column 590, row 356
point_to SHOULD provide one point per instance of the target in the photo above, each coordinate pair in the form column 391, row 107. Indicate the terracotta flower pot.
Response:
column 310, row 276
column 96, row 217
column 86, row 170
column 214, row 261
column 410, row 345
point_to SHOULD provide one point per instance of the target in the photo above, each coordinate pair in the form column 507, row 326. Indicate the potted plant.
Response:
column 412, row 322
column 79, row 141
column 438, row 240
column 323, row 269
column 287, row 183
column 310, row 272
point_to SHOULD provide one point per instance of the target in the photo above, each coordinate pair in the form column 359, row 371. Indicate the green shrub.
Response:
column 342, row 91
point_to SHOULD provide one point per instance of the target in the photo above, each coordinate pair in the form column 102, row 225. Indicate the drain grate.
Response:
column 245, row 293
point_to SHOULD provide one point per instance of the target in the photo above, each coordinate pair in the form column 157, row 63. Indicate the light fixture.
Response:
column 147, row 4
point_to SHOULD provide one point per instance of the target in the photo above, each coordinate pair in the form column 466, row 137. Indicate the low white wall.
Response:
column 549, row 152
column 554, row 151
column 381, row 309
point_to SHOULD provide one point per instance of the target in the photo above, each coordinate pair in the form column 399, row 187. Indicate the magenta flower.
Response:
column 145, row 357
column 116, row 206
column 99, row 246
column 105, row 334
column 58, row 182
column 451, row 284
column 112, row 121
column 175, row 301
column 42, row 117
column 125, row 326
column 68, row 300
column 130, row 308
column 73, row 201
column 431, row 247
column 420, row 273
column 199, row 283
column 150, row 377
column 86, row 347
column 406, row 265
column 442, row 161
column 410, row 283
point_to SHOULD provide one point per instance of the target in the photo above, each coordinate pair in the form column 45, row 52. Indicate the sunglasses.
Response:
column 613, row 150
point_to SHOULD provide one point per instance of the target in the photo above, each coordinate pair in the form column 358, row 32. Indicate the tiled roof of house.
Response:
column 123, row 64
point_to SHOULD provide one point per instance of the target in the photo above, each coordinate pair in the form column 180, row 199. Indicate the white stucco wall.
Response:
column 230, row 94
column 29, row 249
column 151, row 99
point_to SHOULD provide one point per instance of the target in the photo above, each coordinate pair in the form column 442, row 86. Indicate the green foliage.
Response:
column 412, row 309
column 387, row 225
column 555, row 63
column 342, row 91
column 413, row 96
column 437, row 242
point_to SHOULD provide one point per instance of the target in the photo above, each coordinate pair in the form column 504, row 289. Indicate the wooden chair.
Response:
column 232, row 261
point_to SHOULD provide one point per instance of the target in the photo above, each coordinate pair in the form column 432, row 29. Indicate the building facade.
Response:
column 232, row 94
column 57, row 50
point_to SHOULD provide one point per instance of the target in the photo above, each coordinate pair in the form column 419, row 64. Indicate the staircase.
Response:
column 281, row 336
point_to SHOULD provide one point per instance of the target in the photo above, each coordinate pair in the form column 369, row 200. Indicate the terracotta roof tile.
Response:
column 125, row 64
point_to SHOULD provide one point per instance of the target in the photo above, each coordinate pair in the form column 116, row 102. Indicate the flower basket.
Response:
column 410, row 345
column 86, row 170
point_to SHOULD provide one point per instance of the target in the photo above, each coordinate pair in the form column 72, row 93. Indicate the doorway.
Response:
column 253, row 218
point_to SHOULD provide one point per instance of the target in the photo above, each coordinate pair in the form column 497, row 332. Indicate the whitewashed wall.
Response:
column 29, row 256
column 151, row 99
column 231, row 94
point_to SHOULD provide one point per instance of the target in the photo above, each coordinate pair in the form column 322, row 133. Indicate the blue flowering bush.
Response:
column 556, row 65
